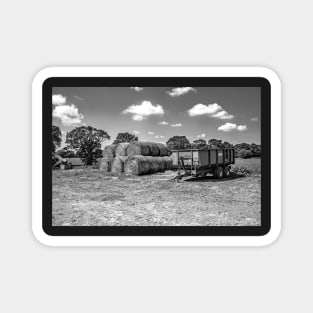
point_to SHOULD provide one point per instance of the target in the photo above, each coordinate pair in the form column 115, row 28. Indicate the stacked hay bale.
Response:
column 140, row 164
column 121, row 149
column 120, row 158
column 147, row 158
column 138, row 148
column 109, row 151
column 163, row 150
column 136, row 158
column 108, row 157
column 118, row 164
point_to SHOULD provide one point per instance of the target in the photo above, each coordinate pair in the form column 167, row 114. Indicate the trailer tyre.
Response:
column 218, row 172
column 226, row 171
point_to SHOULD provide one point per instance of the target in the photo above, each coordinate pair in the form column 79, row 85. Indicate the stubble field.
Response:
column 89, row 197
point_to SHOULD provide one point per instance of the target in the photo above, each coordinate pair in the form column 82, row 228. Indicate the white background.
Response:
column 37, row 34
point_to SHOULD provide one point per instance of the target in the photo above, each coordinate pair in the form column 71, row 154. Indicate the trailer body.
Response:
column 199, row 162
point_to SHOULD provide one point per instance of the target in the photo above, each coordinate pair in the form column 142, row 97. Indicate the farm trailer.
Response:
column 200, row 162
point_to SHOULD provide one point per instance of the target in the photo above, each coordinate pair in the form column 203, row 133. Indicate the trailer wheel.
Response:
column 226, row 171
column 218, row 172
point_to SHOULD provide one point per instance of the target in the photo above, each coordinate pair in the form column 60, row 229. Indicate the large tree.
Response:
column 125, row 137
column 178, row 143
column 56, row 137
column 86, row 140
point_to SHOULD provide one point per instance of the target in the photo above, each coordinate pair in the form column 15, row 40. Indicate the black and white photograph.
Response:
column 156, row 156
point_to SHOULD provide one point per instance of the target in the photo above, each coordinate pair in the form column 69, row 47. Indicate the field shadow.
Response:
column 233, row 176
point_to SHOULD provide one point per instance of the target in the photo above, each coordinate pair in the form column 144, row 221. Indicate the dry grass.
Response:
column 92, row 197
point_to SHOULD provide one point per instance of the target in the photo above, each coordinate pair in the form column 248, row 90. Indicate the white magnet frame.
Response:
column 126, row 241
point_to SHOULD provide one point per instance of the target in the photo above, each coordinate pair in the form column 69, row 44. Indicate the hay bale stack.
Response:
column 140, row 165
column 163, row 151
column 105, row 164
column 169, row 164
column 154, row 149
column 121, row 149
column 147, row 149
column 118, row 164
column 109, row 151
column 138, row 148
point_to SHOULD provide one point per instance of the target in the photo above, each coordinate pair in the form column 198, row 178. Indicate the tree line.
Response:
column 242, row 150
column 84, row 142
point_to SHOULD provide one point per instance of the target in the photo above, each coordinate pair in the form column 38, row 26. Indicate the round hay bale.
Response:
column 138, row 148
column 105, row 164
column 169, row 164
column 121, row 149
column 161, row 164
column 154, row 149
column 118, row 164
column 109, row 151
column 163, row 151
column 140, row 165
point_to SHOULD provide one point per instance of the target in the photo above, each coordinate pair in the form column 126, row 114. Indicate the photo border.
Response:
column 153, row 77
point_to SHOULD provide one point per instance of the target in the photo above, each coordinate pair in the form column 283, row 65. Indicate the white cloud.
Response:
column 136, row 132
column 242, row 128
column 201, row 135
column 211, row 110
column 143, row 110
column 223, row 115
column 156, row 137
column 179, row 91
column 136, row 88
column 254, row 119
column 68, row 114
column 150, row 133
column 202, row 109
column 228, row 127
column 177, row 125
column 138, row 117
column 161, row 136
column 58, row 99
column 163, row 123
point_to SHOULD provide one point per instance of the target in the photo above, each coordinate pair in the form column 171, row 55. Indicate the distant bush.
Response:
column 243, row 171
column 199, row 144
column 178, row 143
column 245, row 154
column 244, row 150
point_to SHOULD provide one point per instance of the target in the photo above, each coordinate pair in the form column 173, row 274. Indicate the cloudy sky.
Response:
column 158, row 113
